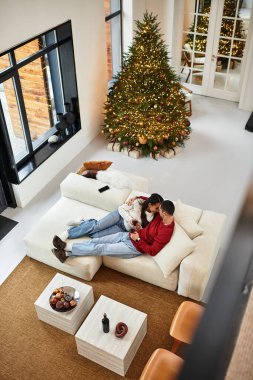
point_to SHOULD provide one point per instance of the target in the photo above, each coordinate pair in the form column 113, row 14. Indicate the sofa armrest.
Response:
column 85, row 190
column 196, row 268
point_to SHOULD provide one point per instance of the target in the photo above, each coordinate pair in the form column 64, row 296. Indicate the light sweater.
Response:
column 133, row 212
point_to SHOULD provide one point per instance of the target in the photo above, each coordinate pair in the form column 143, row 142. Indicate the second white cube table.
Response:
column 106, row 349
column 71, row 320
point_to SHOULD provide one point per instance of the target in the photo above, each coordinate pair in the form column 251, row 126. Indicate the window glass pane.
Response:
column 245, row 28
column 238, row 48
column 200, row 43
column 116, row 44
column 229, row 8
column 113, row 44
column 189, row 21
column 12, row 119
column 4, row 62
column 245, row 9
column 107, row 7
column 197, row 77
column 109, row 49
column 227, row 27
column 111, row 6
column 115, row 5
column 202, row 24
column 28, row 49
column 219, row 81
column 37, row 92
column 224, row 46
column 241, row 29
column 233, row 79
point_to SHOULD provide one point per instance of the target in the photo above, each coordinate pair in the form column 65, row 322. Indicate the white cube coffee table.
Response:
column 106, row 349
column 67, row 321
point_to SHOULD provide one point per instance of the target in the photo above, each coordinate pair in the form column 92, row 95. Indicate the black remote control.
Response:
column 102, row 189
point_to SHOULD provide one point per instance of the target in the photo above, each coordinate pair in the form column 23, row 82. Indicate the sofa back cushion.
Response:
column 85, row 190
column 170, row 257
column 188, row 217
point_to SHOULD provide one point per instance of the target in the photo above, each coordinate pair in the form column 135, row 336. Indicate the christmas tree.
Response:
column 227, row 27
column 145, row 108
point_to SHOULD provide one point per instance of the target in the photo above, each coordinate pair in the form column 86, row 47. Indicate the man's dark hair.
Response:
column 168, row 207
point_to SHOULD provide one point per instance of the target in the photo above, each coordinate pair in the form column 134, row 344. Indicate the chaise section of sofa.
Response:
column 79, row 197
column 196, row 268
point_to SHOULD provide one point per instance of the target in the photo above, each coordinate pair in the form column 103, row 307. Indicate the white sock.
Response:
column 64, row 235
column 68, row 247
column 75, row 221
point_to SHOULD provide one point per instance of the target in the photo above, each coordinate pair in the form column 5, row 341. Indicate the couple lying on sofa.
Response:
column 142, row 225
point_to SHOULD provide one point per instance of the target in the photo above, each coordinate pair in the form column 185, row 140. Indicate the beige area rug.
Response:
column 31, row 349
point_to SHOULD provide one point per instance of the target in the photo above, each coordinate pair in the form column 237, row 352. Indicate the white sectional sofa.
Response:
column 184, row 264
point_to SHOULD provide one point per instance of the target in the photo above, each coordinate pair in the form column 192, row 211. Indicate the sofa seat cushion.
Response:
column 39, row 239
column 85, row 190
column 144, row 268
column 170, row 257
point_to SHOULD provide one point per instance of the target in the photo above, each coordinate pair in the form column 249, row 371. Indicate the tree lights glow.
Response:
column 145, row 108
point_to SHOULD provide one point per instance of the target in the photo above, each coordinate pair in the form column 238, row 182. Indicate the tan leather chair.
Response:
column 162, row 365
column 184, row 323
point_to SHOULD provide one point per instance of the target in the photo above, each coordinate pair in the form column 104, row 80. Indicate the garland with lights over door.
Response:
column 145, row 108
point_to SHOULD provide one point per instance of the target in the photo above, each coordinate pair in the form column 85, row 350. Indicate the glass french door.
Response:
column 214, row 39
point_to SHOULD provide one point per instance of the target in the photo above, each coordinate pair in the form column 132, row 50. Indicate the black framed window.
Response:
column 113, row 12
column 37, row 90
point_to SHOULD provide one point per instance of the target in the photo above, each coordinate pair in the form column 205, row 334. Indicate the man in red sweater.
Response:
column 149, row 240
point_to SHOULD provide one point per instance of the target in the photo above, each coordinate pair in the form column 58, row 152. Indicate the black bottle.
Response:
column 105, row 324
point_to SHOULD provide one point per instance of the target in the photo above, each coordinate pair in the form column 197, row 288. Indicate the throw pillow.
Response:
column 187, row 217
column 96, row 165
column 170, row 257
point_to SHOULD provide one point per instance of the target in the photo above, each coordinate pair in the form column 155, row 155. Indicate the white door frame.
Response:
column 206, row 88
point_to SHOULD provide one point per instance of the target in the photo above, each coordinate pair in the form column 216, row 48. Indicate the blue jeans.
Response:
column 110, row 224
column 116, row 245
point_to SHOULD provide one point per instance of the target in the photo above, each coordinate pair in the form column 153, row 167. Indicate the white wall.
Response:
column 134, row 10
column 21, row 20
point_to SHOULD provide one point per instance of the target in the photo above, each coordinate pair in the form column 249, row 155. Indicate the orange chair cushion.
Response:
column 162, row 365
column 185, row 321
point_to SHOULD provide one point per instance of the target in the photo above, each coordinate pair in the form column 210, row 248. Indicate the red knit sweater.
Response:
column 154, row 236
